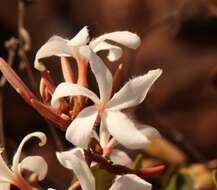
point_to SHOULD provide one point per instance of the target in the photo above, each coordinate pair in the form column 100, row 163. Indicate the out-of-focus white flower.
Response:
column 61, row 47
column 34, row 164
column 113, row 121
column 74, row 159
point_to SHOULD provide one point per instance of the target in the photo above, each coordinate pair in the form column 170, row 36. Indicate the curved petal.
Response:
column 41, row 136
column 130, row 182
column 5, row 175
column 79, row 131
column 114, row 53
column 102, row 74
column 120, row 157
column 149, row 132
column 124, row 130
column 74, row 160
column 55, row 46
column 81, row 38
column 125, row 38
column 69, row 89
column 134, row 91
column 35, row 164
column 5, row 186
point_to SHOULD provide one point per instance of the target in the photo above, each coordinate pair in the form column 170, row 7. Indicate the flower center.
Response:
column 100, row 106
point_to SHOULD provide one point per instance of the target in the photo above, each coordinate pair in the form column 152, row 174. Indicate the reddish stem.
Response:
column 16, row 82
column 51, row 115
column 21, row 183
column 119, row 169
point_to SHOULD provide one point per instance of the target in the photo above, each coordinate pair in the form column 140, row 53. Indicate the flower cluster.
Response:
column 95, row 130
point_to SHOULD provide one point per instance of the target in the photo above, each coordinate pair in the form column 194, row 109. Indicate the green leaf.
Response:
column 214, row 175
column 137, row 163
column 180, row 181
column 103, row 179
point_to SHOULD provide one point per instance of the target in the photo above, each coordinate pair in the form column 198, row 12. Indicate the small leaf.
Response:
column 180, row 181
column 103, row 179
column 214, row 174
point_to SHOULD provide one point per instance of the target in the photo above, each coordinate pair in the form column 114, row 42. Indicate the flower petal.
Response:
column 131, row 182
column 79, row 131
column 103, row 135
column 102, row 74
column 120, row 157
column 69, row 89
column 134, row 91
column 74, row 160
column 41, row 136
column 55, row 46
column 124, row 130
column 125, row 38
column 149, row 132
column 5, row 186
column 114, row 53
column 5, row 175
column 81, row 38
column 35, row 164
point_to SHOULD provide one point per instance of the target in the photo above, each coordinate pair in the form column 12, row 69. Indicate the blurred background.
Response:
column 179, row 36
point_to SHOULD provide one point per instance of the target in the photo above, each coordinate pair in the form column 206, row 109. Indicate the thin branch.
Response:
column 24, row 47
column 116, row 169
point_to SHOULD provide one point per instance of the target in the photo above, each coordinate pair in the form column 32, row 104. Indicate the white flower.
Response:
column 34, row 164
column 74, row 159
column 62, row 47
column 131, row 182
column 113, row 121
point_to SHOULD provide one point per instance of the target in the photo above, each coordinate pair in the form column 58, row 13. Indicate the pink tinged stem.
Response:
column 68, row 74
column 118, row 78
column 21, row 183
column 51, row 115
column 120, row 169
column 110, row 146
column 82, row 72
column 16, row 82
column 29, row 97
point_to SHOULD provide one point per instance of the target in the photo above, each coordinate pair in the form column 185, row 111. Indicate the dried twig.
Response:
column 24, row 43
